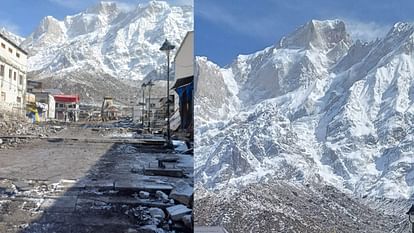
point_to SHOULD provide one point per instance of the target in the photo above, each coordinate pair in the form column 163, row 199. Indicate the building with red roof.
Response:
column 67, row 107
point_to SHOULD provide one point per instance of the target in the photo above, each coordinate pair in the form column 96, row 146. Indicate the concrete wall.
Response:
column 44, row 97
column 184, row 58
column 52, row 107
column 13, row 79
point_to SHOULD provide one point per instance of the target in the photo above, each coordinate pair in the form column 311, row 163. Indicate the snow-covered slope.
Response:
column 314, row 107
column 108, row 41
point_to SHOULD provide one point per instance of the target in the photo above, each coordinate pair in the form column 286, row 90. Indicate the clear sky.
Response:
column 23, row 16
column 226, row 28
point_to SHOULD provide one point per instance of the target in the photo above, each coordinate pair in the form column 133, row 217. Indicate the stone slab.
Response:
column 178, row 211
column 62, row 204
column 100, row 184
column 136, row 186
column 172, row 172
column 183, row 193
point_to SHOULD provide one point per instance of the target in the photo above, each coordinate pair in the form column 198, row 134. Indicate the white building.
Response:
column 13, row 67
column 183, row 86
column 49, row 100
column 184, row 58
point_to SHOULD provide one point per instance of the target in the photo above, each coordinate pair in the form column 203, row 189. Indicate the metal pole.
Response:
column 149, row 109
column 412, row 227
column 168, row 98
column 143, row 106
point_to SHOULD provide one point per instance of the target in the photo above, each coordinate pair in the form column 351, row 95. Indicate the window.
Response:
column 19, row 99
column 20, row 79
column 3, row 96
column 2, row 70
column 18, row 55
column 15, row 76
column 10, row 77
column 10, row 50
column 3, row 45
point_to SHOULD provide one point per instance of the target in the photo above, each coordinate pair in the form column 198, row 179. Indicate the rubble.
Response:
column 150, row 229
column 157, row 213
column 144, row 195
column 108, row 194
column 183, row 193
column 178, row 211
column 24, row 131
column 162, row 196
column 188, row 221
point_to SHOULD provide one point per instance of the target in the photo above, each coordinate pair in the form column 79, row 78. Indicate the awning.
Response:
column 67, row 98
column 182, row 82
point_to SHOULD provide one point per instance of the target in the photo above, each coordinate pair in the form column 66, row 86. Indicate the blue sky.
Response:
column 226, row 28
column 23, row 16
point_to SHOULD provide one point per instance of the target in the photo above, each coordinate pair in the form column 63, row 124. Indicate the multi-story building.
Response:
column 13, row 68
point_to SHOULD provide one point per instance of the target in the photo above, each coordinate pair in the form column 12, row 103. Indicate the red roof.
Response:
column 67, row 98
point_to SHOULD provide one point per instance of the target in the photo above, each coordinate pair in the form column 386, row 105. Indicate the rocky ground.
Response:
column 285, row 207
column 70, row 184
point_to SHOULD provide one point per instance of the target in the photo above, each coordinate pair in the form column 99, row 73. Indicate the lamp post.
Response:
column 149, row 84
column 143, row 85
column 411, row 217
column 167, row 47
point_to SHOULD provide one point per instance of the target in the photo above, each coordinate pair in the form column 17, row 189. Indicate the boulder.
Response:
column 144, row 195
column 162, row 196
column 178, row 211
column 188, row 221
column 182, row 193
column 150, row 229
column 157, row 213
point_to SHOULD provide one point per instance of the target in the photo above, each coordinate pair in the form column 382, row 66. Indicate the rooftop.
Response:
column 12, row 43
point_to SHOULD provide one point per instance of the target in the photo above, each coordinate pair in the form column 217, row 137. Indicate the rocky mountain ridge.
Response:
column 106, row 50
column 316, row 106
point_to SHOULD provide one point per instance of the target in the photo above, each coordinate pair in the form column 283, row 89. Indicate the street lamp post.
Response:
column 143, row 85
column 149, row 84
column 167, row 47
column 411, row 217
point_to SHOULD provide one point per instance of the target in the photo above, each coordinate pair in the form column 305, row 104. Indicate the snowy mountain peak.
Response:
column 105, row 40
column 317, row 34
column 103, row 8
column 401, row 27
column 49, row 24
column 314, row 108
column 158, row 4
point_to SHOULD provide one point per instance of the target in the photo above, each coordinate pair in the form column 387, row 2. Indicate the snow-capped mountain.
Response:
column 314, row 107
column 105, row 43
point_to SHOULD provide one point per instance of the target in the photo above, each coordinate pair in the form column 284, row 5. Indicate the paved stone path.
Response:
column 76, row 186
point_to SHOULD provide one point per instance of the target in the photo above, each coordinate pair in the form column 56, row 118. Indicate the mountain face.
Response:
column 103, row 43
column 315, row 107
